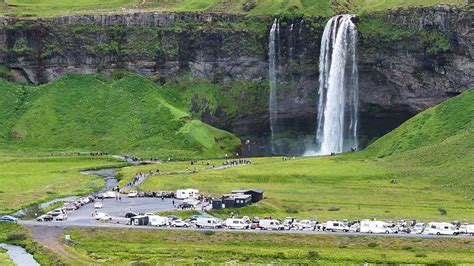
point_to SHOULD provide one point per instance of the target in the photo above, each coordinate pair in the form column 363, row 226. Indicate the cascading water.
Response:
column 272, row 71
column 338, row 89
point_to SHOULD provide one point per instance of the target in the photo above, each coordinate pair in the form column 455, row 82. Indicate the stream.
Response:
column 19, row 255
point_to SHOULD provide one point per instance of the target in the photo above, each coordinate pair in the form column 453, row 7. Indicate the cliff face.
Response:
column 408, row 60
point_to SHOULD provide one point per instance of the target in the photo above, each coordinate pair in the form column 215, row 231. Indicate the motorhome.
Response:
column 334, row 226
column 156, row 220
column 208, row 222
column 270, row 224
column 440, row 229
column 467, row 229
column 236, row 224
column 187, row 193
column 377, row 227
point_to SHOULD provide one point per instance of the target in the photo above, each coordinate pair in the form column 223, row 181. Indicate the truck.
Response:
column 377, row 227
column 208, row 222
column 156, row 220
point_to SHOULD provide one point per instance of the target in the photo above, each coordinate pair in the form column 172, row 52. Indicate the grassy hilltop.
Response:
column 421, row 170
column 324, row 8
column 96, row 113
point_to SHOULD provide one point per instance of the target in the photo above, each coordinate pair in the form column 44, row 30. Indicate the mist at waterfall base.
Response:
column 337, row 119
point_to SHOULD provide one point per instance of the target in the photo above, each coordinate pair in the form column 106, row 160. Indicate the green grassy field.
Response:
column 97, row 113
column 430, row 178
column 108, row 246
column 265, row 7
column 5, row 259
column 28, row 180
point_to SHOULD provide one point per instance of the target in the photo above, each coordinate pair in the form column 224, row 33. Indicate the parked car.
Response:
column 61, row 217
column 8, row 218
column 156, row 220
column 130, row 214
column 208, row 222
column 55, row 212
column 417, row 228
column 334, row 226
column 109, row 194
column 255, row 223
column 271, row 224
column 132, row 194
column 98, row 205
column 103, row 216
column 236, row 224
column 45, row 218
column 179, row 223
column 440, row 229
column 355, row 227
column 185, row 205
column 305, row 225
column 288, row 223
column 70, row 206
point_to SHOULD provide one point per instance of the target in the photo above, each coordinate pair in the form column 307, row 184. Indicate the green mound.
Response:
column 96, row 113
column 449, row 122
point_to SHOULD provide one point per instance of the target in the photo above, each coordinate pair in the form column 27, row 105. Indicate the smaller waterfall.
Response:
column 272, row 72
column 291, row 46
column 338, row 90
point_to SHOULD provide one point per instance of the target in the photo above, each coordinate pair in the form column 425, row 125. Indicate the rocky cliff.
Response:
column 409, row 60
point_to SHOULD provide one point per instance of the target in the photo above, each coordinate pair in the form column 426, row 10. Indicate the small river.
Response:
column 19, row 255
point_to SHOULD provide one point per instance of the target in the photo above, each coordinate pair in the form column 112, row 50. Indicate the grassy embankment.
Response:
column 266, row 7
column 28, row 180
column 421, row 170
column 18, row 235
column 108, row 246
column 127, row 115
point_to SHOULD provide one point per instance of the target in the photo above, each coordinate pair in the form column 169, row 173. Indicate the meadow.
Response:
column 264, row 7
column 27, row 179
column 107, row 246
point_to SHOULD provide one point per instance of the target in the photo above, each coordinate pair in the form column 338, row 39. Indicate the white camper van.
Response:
column 208, row 222
column 187, row 193
column 467, row 229
column 440, row 229
column 155, row 220
column 236, row 224
column 270, row 224
column 377, row 227
column 334, row 226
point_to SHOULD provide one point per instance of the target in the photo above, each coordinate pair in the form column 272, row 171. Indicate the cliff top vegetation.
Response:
column 324, row 8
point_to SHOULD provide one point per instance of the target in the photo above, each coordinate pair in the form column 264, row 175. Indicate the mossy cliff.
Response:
column 409, row 60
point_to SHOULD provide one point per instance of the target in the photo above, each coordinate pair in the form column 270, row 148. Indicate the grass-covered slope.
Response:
column 95, row 113
column 263, row 7
column 450, row 121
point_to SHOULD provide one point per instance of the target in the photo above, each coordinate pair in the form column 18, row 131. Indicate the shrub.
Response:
column 209, row 233
column 372, row 245
column 420, row 255
column 334, row 209
column 442, row 211
column 291, row 210
column 119, row 73
column 16, row 237
column 313, row 254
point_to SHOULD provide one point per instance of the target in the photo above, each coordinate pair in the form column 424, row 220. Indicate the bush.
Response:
column 209, row 233
column 372, row 245
column 291, row 210
column 334, row 209
column 16, row 237
column 313, row 254
column 442, row 211
column 119, row 73
column 420, row 255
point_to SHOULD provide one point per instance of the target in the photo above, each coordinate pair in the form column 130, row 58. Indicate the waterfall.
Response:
column 272, row 71
column 338, row 90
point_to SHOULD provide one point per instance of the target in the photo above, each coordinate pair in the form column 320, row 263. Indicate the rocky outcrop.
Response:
column 409, row 60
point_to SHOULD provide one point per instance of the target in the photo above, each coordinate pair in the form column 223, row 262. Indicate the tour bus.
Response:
column 236, row 224
column 270, row 224
column 377, row 227
column 208, row 222
column 440, row 229
column 334, row 226
column 155, row 220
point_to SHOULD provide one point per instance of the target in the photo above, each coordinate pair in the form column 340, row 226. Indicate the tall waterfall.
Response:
column 273, row 57
column 339, row 88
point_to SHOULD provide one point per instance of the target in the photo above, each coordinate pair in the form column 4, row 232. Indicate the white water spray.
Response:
column 272, row 71
column 338, row 89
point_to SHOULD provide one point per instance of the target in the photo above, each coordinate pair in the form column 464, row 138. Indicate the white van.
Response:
column 467, row 229
column 440, row 229
column 208, row 222
column 187, row 193
column 270, row 224
column 155, row 220
column 236, row 224
column 334, row 226
column 377, row 227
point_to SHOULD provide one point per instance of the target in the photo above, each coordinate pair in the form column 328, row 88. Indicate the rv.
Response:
column 377, row 227
column 467, row 229
column 236, row 224
column 440, row 229
column 208, row 222
column 156, row 220
column 334, row 226
column 271, row 224
column 187, row 193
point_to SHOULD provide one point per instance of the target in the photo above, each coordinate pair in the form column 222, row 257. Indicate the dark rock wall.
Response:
column 409, row 60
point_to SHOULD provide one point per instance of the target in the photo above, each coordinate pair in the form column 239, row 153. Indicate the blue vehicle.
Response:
column 8, row 218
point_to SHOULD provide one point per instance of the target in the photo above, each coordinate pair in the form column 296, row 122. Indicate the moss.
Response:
column 21, row 46
column 434, row 42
